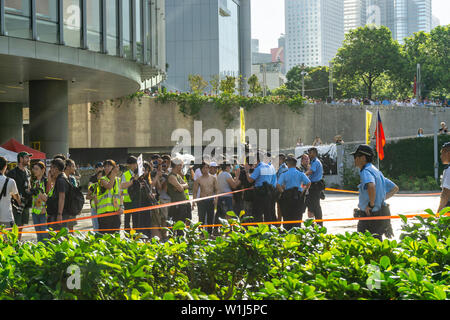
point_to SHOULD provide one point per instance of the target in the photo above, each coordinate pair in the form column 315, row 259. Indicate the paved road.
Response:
column 334, row 206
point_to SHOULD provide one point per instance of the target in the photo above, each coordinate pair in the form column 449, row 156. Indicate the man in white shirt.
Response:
column 6, row 192
column 445, row 195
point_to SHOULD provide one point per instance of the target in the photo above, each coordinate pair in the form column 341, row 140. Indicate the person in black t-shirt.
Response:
column 21, row 176
column 56, row 204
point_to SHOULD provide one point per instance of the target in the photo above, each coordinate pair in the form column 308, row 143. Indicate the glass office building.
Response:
column 121, row 28
column 59, row 52
column 208, row 38
column 314, row 31
column 402, row 17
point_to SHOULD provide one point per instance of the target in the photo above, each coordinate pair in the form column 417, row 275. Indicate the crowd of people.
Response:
column 382, row 102
column 270, row 194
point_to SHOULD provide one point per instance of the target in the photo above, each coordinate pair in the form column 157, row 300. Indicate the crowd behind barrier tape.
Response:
column 158, row 206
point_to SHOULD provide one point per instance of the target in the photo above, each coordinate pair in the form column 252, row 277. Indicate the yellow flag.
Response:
column 242, row 126
column 368, row 122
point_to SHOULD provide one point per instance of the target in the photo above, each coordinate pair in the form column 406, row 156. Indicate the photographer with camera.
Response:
column 109, row 198
column 38, row 210
column 21, row 176
column 8, row 190
column 373, row 191
column 129, row 178
column 161, row 177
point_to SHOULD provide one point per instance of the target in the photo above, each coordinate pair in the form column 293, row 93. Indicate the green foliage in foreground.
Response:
column 258, row 263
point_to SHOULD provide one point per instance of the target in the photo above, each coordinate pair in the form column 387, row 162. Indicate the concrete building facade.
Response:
column 207, row 37
column 56, row 53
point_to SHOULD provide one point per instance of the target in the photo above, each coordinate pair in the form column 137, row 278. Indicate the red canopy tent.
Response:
column 16, row 146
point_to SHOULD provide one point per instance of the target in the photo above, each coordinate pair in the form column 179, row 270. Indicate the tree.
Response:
column 367, row 53
column 215, row 84
column 431, row 51
column 241, row 85
column 228, row 85
column 254, row 85
column 197, row 83
column 316, row 82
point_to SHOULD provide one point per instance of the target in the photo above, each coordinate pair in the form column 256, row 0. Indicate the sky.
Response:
column 268, row 20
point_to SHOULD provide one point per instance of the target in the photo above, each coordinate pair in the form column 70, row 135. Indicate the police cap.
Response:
column 446, row 145
column 365, row 150
column 291, row 160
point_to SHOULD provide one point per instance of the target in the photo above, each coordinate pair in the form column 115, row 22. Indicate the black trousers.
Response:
column 313, row 201
column 206, row 213
column 131, row 217
column 57, row 226
column 263, row 208
column 377, row 228
column 109, row 222
column 292, row 209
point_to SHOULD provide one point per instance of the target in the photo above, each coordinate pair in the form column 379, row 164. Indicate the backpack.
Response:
column 75, row 200
column 5, row 186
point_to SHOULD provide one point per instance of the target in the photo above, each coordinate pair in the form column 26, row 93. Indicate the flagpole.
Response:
column 378, row 156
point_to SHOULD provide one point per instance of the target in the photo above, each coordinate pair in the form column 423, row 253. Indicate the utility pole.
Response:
column 436, row 162
column 418, row 83
column 331, row 82
column 264, row 72
column 304, row 73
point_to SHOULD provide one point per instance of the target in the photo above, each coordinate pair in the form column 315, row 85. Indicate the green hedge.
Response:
column 411, row 157
column 259, row 263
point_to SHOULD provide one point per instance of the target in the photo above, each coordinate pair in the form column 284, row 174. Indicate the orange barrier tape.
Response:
column 180, row 203
column 253, row 223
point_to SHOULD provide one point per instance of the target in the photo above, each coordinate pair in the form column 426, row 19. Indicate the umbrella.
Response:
column 10, row 156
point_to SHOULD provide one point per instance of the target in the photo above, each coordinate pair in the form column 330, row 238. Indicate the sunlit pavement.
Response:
column 334, row 206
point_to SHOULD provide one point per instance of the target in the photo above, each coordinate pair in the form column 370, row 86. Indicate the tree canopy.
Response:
column 367, row 53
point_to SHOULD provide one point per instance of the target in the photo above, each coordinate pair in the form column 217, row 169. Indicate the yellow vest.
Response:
column 109, row 200
column 126, row 197
column 38, row 205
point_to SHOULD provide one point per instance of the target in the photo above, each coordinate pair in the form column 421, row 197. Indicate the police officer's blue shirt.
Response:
column 262, row 173
column 293, row 178
column 370, row 174
column 283, row 168
column 317, row 170
column 274, row 179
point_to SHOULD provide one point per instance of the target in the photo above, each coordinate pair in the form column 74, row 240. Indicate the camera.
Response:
column 34, row 192
column 359, row 213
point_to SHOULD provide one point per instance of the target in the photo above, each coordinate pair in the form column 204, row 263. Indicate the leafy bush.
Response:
column 411, row 155
column 409, row 183
column 227, row 103
column 241, row 263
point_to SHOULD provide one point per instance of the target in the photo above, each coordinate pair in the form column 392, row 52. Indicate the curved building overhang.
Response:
column 91, row 76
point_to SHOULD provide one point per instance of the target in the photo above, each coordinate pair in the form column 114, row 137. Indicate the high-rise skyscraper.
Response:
column 208, row 38
column 355, row 12
column 402, row 17
column 314, row 31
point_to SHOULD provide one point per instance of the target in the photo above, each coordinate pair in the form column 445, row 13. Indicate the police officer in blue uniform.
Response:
column 315, row 174
column 263, row 178
column 374, row 190
column 292, row 194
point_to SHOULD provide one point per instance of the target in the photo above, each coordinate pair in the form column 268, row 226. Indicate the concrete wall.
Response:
column 151, row 124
